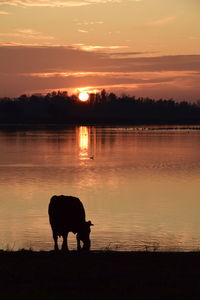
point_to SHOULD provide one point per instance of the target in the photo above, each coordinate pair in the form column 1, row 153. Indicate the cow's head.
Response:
column 84, row 235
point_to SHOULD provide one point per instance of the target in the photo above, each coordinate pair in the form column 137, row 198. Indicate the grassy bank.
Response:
column 99, row 275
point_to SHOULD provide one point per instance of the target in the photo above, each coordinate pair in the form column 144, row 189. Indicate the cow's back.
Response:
column 66, row 213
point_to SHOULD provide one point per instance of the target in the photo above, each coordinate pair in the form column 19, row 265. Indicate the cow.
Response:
column 67, row 214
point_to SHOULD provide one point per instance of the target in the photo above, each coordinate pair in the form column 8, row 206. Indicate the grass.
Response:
column 99, row 275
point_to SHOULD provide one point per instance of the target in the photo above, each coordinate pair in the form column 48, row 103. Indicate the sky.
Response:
column 145, row 48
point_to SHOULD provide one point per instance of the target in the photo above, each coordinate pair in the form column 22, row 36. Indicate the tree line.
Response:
column 60, row 108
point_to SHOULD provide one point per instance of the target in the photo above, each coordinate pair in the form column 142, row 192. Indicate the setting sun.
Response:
column 83, row 96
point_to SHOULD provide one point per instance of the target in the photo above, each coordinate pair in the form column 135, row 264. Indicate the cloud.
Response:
column 82, row 31
column 28, row 31
column 58, row 3
column 43, row 3
column 28, row 68
column 87, row 23
column 2, row 12
column 98, row 47
column 162, row 21
column 146, row 75
column 75, row 59
column 27, row 34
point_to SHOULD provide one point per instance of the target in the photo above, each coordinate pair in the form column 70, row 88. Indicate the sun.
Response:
column 84, row 96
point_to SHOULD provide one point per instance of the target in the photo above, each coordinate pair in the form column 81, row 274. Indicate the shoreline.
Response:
column 137, row 126
column 95, row 275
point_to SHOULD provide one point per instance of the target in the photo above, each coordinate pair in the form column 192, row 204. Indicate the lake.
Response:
column 140, row 186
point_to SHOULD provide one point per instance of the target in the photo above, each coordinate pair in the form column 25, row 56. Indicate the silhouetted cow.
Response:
column 67, row 214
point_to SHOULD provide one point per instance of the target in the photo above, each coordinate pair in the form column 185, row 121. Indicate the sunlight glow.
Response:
column 84, row 96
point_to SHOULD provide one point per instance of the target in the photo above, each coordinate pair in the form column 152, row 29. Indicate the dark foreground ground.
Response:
column 99, row 275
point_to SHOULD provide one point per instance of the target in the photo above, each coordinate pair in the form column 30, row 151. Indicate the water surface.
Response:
column 139, row 186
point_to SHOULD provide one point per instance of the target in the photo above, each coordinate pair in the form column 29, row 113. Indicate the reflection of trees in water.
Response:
column 106, row 138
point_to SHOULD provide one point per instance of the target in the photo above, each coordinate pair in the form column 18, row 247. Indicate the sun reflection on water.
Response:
column 86, row 142
column 83, row 133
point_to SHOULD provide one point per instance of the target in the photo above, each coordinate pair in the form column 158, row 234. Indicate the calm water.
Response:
column 139, row 186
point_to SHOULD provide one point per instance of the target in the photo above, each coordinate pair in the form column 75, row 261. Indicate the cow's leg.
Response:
column 78, row 242
column 55, row 237
column 64, row 244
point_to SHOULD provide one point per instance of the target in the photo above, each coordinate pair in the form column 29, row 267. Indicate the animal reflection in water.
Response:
column 67, row 214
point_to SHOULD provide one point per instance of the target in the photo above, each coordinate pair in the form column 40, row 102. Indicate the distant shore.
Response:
column 101, row 108
column 99, row 275
column 137, row 127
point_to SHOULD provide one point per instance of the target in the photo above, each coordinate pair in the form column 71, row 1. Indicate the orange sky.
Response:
column 140, row 47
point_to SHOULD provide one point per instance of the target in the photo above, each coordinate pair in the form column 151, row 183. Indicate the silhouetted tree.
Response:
column 59, row 107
